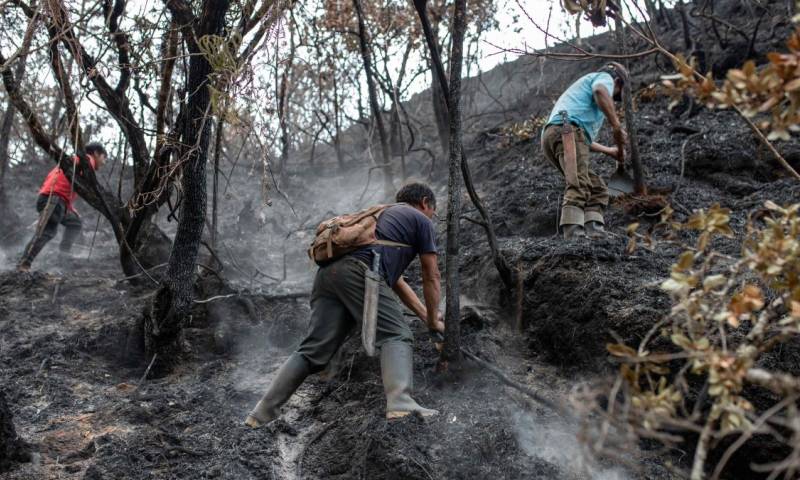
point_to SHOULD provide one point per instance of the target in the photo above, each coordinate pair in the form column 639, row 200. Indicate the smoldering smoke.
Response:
column 556, row 441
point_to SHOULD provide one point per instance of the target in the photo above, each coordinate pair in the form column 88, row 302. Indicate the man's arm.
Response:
column 410, row 299
column 603, row 98
column 600, row 148
column 432, row 290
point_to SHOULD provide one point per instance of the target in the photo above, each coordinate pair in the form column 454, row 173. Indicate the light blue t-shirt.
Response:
column 578, row 101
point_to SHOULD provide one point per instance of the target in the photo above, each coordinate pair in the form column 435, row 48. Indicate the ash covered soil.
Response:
column 72, row 370
column 73, row 375
column 82, row 404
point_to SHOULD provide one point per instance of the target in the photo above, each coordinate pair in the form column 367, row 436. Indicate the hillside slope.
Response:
column 74, row 377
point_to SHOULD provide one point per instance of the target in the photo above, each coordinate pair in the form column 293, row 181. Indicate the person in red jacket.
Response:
column 55, row 206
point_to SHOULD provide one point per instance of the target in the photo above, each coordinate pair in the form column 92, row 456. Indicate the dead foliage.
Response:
column 705, row 374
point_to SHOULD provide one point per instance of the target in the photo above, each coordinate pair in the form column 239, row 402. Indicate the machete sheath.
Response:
column 372, row 279
column 570, row 149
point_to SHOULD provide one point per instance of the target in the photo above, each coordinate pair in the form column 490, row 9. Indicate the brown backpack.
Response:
column 341, row 235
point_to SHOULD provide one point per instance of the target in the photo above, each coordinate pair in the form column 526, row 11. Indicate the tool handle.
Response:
column 620, row 155
column 566, row 125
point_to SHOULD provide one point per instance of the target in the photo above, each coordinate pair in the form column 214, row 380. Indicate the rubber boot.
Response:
column 595, row 230
column 573, row 231
column 398, row 379
column 31, row 251
column 290, row 376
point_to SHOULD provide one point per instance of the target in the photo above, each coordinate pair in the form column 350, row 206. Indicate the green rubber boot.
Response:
column 595, row 230
column 290, row 376
column 573, row 231
column 398, row 380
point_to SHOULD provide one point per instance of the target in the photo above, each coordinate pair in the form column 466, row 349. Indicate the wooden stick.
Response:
column 702, row 450
column 517, row 386
column 144, row 376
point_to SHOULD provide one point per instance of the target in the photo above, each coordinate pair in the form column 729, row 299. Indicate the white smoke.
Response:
column 557, row 442
column 6, row 262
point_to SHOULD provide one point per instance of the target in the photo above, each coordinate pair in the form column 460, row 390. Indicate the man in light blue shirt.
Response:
column 587, row 102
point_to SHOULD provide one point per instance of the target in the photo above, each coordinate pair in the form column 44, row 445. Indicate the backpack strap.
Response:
column 389, row 243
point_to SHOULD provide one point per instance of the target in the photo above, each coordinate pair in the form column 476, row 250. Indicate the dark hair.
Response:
column 95, row 148
column 413, row 193
column 617, row 72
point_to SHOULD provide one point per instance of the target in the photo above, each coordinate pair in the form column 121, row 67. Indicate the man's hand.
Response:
column 610, row 151
column 438, row 325
column 620, row 137
column 429, row 311
column 603, row 98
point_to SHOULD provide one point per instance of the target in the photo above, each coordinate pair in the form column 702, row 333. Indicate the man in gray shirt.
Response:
column 337, row 300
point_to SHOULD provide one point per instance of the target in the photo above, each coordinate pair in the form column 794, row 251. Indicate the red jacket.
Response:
column 59, row 184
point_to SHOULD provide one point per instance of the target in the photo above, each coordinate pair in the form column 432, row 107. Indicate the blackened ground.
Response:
column 67, row 341
column 579, row 295
column 12, row 448
column 71, row 366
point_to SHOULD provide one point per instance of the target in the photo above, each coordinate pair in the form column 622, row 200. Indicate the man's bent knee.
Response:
column 317, row 359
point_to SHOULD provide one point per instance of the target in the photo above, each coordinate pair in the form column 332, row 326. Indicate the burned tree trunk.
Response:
column 5, row 133
column 337, row 123
column 638, row 172
column 499, row 260
column 452, row 337
column 283, row 103
column 688, row 44
column 10, row 220
column 215, row 182
column 388, row 174
column 439, row 89
column 439, row 100
column 174, row 299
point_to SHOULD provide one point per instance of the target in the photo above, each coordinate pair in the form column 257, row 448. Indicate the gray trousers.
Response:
column 337, row 303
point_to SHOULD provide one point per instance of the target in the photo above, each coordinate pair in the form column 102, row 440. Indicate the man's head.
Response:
column 620, row 76
column 420, row 196
column 98, row 153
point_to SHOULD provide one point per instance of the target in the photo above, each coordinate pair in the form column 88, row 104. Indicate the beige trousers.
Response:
column 587, row 197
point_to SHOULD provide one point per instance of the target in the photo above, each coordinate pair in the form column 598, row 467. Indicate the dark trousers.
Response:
column 56, row 208
column 337, row 304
